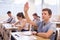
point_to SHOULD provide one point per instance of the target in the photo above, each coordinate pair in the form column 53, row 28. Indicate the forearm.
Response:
column 27, row 17
column 16, row 23
column 43, row 35
column 29, row 20
column 26, row 7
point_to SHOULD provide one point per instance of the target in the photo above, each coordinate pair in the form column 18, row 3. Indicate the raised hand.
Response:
column 26, row 7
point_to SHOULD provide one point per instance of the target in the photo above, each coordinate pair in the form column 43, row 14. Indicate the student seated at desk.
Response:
column 22, row 23
column 45, row 29
column 11, row 19
column 36, row 19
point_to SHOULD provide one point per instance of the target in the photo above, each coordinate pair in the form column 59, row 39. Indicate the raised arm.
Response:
column 26, row 8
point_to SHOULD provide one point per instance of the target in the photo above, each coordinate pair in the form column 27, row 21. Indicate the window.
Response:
column 16, row 6
column 54, row 6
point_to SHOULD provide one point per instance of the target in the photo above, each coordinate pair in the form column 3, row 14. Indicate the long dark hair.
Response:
column 20, row 14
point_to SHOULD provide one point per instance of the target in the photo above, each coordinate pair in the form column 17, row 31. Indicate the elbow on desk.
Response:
column 47, row 36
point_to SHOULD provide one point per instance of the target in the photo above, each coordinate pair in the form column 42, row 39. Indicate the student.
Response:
column 36, row 19
column 11, row 19
column 45, row 29
column 22, row 23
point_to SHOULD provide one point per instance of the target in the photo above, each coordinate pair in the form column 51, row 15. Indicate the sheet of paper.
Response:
column 18, row 36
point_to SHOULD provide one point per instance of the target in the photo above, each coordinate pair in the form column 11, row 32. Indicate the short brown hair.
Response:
column 47, row 9
column 9, row 12
column 35, row 14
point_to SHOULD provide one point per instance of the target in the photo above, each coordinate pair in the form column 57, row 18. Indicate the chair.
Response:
column 56, row 35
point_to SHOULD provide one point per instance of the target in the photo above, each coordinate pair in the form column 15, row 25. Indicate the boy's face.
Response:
column 45, row 15
column 35, row 17
column 9, row 14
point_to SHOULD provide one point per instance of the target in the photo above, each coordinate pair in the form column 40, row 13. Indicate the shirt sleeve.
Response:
column 52, row 27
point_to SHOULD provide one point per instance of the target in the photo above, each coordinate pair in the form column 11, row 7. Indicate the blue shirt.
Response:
column 10, row 20
column 46, row 27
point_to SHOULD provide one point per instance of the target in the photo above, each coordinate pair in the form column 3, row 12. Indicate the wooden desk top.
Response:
column 37, row 37
column 40, row 38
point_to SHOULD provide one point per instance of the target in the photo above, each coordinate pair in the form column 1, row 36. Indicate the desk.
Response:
column 8, row 26
column 40, row 38
column 6, row 30
column 21, row 36
column 58, row 36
